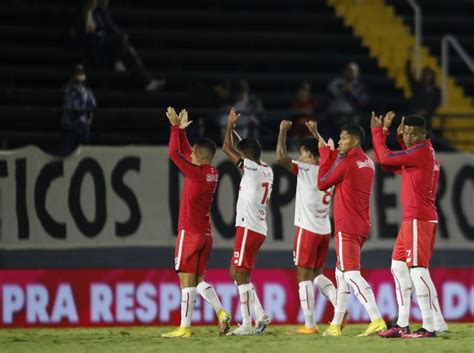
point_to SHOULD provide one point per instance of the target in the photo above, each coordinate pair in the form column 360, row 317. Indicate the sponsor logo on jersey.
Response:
column 368, row 163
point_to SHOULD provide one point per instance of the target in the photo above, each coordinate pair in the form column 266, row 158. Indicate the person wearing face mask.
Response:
column 417, row 165
column 351, row 172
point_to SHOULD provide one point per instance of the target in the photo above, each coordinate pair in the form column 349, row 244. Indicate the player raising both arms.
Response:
column 417, row 164
column 194, row 241
column 313, row 227
column 351, row 172
column 250, row 222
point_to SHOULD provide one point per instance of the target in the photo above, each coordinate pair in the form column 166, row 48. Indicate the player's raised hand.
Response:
column 285, row 125
column 375, row 121
column 172, row 116
column 400, row 127
column 313, row 128
column 388, row 119
column 232, row 118
column 331, row 144
column 183, row 119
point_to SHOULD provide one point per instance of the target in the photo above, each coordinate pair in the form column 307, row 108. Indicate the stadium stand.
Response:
column 274, row 44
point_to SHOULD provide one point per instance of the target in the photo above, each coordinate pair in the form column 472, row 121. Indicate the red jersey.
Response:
column 420, row 174
column 352, row 175
column 200, row 183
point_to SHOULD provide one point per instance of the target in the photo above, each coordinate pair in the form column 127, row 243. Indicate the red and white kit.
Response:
column 194, row 242
column 251, row 225
column 352, row 175
column 420, row 174
column 313, row 232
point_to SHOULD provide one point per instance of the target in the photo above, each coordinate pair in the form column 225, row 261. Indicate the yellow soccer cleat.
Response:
column 178, row 332
column 223, row 317
column 333, row 330
column 374, row 328
column 303, row 330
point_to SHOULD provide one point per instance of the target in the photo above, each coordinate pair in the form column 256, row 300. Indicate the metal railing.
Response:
column 418, row 34
column 446, row 41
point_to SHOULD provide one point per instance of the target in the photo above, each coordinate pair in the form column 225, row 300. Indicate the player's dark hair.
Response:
column 251, row 146
column 310, row 144
column 355, row 130
column 209, row 145
column 415, row 120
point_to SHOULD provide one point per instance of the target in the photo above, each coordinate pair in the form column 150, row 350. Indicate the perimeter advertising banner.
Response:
column 114, row 297
column 129, row 196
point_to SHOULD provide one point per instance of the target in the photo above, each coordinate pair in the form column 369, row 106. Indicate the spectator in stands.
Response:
column 79, row 106
column 250, row 109
column 348, row 97
column 426, row 96
column 425, row 100
column 303, row 108
column 105, row 44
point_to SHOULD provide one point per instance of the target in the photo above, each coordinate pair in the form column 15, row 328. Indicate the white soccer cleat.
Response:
column 261, row 324
column 242, row 330
column 442, row 328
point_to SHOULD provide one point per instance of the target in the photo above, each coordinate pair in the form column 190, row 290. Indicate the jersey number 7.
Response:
column 266, row 187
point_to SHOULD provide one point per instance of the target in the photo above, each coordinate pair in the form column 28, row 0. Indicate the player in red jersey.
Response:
column 313, row 232
column 251, row 226
column 417, row 165
column 194, row 241
column 351, row 172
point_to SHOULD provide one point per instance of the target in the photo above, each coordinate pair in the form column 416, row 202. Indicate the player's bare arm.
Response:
column 313, row 129
column 282, row 154
column 228, row 147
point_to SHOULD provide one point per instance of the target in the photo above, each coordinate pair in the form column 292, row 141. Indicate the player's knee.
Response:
column 317, row 272
column 232, row 273
column 242, row 277
column 399, row 268
column 305, row 274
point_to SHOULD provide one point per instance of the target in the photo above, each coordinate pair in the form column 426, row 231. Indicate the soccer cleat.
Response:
column 178, row 332
column 303, row 330
column 420, row 333
column 374, row 327
column 242, row 330
column 442, row 328
column 223, row 318
column 333, row 330
column 394, row 332
column 261, row 324
column 344, row 320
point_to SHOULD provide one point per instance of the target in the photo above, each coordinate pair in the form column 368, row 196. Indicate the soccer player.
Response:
column 351, row 172
column 194, row 242
column 417, row 165
column 251, row 226
column 313, row 227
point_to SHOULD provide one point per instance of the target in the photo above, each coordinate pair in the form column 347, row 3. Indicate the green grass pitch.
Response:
column 460, row 339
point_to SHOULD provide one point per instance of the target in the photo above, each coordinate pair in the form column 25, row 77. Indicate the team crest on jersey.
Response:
column 368, row 163
column 236, row 254
column 212, row 177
